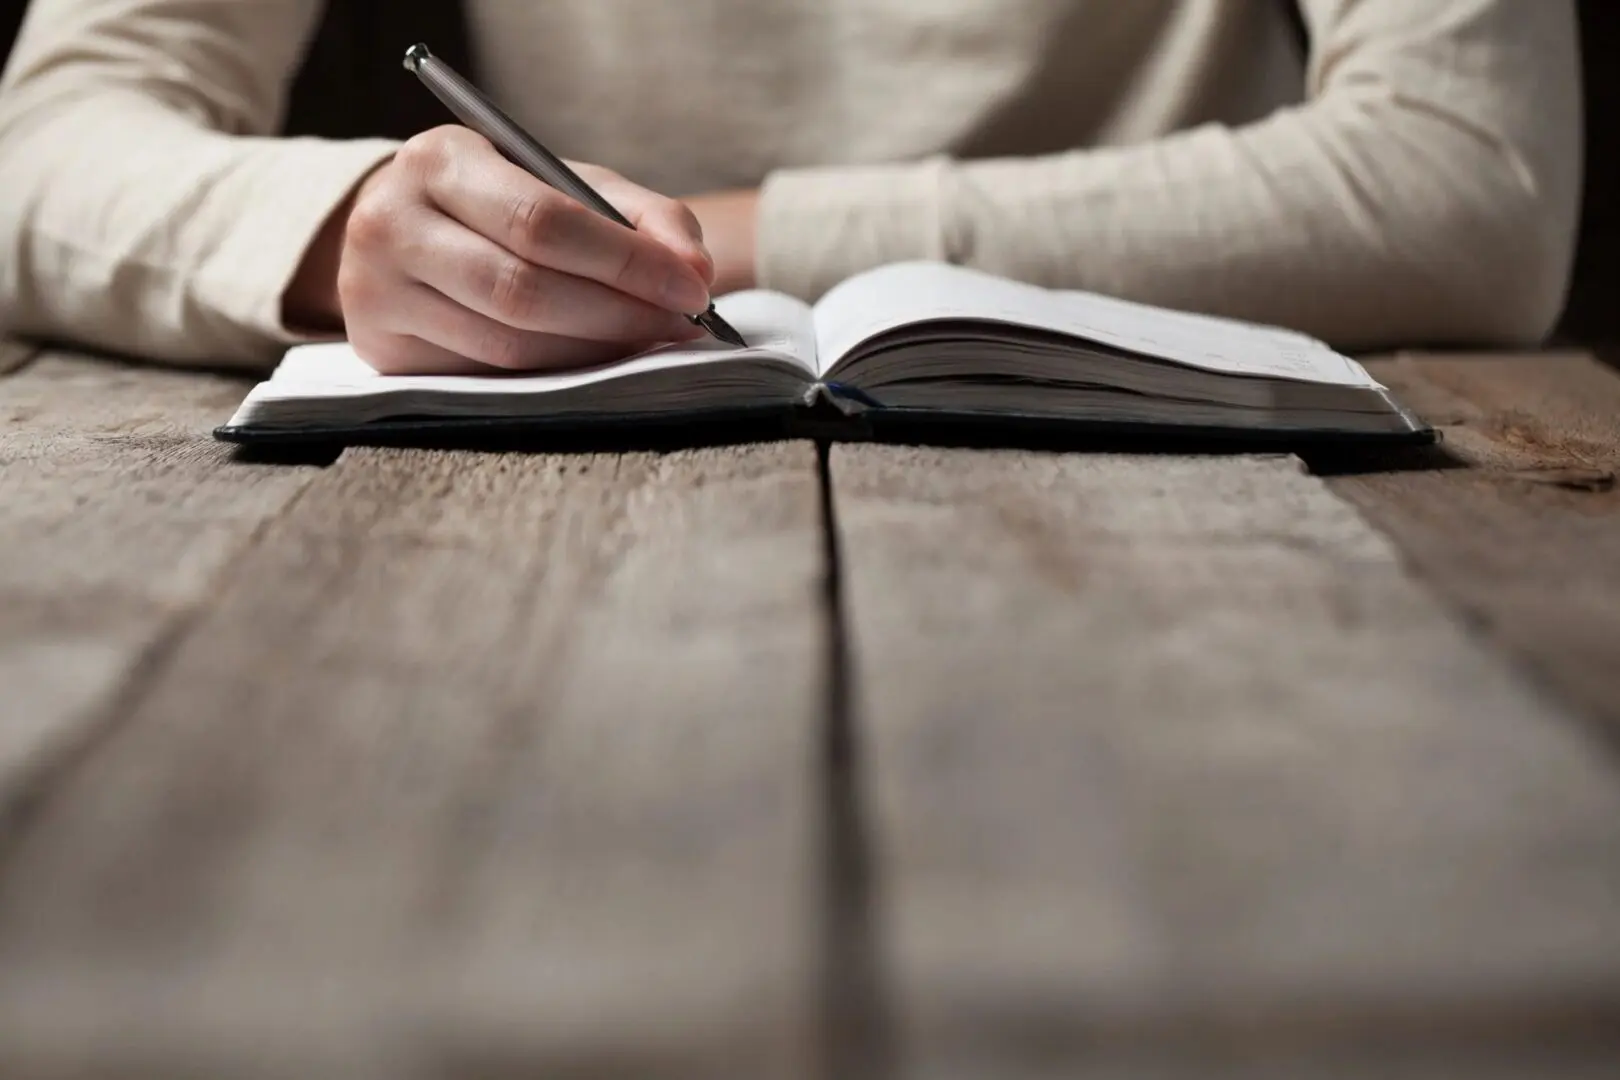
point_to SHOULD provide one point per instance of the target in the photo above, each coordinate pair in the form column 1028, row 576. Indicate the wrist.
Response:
column 311, row 303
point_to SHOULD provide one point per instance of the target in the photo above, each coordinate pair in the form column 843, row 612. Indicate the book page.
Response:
column 891, row 297
column 776, row 326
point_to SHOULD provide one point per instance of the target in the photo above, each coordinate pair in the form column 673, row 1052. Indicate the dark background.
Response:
column 1593, row 312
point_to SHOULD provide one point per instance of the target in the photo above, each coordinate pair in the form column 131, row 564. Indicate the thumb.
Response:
column 676, row 226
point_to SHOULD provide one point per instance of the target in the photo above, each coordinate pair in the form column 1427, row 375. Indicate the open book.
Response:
column 917, row 341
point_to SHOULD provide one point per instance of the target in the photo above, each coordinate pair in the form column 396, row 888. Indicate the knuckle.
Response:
column 422, row 154
column 454, row 137
column 537, row 219
column 385, row 353
column 631, row 271
column 355, row 291
column 435, row 158
column 501, row 347
column 516, row 291
column 370, row 225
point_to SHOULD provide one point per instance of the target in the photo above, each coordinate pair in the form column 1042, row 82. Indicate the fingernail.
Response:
column 686, row 293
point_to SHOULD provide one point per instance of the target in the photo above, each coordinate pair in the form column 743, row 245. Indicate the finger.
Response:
column 536, row 222
column 667, row 220
column 439, row 321
column 483, row 276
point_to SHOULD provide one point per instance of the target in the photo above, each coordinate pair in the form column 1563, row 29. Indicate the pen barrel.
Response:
column 478, row 113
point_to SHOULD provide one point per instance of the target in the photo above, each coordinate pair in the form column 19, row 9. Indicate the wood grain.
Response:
column 119, row 516
column 1172, row 770
column 1526, row 538
column 481, row 765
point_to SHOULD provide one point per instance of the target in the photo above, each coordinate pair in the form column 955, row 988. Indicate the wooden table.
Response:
column 774, row 761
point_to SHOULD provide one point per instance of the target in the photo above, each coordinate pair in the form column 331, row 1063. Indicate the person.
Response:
column 1413, row 180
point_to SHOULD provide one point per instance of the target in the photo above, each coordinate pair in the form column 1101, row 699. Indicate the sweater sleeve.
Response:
column 147, row 207
column 1426, row 192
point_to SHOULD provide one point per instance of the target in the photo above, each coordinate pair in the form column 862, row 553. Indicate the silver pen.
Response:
column 522, row 149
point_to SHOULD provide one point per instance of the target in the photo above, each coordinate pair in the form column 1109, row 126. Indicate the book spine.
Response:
column 846, row 399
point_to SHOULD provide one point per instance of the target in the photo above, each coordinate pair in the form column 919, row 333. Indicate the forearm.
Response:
column 183, row 252
column 1402, row 205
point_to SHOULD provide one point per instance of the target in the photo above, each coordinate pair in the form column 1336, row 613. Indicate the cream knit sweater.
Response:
column 1415, row 180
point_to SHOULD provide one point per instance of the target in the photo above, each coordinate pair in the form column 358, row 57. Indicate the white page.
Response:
column 890, row 297
column 774, row 325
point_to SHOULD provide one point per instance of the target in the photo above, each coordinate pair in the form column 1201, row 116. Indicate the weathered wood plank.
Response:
column 481, row 765
column 1527, row 538
column 119, row 514
column 1172, row 770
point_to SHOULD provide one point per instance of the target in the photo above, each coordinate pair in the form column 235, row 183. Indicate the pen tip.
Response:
column 415, row 55
column 721, row 329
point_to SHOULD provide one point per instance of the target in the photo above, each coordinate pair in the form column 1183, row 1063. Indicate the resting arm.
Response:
column 147, row 206
column 1426, row 193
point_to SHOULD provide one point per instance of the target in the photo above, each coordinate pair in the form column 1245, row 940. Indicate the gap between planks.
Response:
column 852, row 851
column 857, row 1040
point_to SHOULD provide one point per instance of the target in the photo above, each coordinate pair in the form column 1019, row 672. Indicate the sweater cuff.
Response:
column 293, row 192
column 819, row 226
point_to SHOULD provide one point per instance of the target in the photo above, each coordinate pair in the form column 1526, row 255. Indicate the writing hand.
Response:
column 452, row 259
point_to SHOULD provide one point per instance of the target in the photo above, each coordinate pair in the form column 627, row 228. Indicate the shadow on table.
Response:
column 1608, row 354
column 1334, row 455
column 1339, row 461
